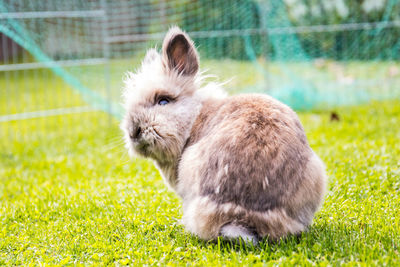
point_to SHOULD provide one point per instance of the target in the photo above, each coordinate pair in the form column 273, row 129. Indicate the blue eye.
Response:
column 163, row 101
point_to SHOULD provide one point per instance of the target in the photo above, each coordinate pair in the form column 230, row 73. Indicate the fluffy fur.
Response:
column 241, row 164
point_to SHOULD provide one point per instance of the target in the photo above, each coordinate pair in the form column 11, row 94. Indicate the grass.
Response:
column 70, row 195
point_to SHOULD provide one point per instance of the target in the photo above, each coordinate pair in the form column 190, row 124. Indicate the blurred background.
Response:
column 62, row 62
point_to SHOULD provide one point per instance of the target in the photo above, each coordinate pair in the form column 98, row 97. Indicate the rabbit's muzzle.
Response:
column 143, row 138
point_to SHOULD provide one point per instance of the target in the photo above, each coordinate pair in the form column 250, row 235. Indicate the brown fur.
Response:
column 242, row 161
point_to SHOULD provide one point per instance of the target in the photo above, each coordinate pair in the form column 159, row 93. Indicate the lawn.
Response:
column 69, row 194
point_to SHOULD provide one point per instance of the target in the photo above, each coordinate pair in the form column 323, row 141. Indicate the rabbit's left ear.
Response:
column 179, row 53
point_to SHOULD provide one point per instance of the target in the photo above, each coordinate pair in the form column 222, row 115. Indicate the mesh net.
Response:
column 70, row 56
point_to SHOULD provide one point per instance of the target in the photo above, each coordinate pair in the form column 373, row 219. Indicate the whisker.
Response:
column 125, row 155
column 157, row 134
column 113, row 145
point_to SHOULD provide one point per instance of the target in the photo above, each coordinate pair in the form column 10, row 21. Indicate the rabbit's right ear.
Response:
column 179, row 53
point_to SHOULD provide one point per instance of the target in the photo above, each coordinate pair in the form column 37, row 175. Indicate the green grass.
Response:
column 69, row 194
column 74, row 197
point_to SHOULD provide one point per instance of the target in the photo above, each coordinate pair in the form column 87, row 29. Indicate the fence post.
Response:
column 106, row 55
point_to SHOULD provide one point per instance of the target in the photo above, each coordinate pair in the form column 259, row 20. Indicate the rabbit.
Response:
column 241, row 164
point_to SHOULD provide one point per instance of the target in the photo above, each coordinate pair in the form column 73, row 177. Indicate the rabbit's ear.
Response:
column 179, row 53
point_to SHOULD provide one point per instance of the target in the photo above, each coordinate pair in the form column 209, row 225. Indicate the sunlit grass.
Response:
column 69, row 194
column 73, row 196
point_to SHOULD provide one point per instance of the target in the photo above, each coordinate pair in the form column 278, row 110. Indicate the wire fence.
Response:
column 67, row 58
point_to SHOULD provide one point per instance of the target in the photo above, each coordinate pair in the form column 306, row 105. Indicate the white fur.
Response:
column 232, row 231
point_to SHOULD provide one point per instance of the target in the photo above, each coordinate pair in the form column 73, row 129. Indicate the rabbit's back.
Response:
column 250, row 151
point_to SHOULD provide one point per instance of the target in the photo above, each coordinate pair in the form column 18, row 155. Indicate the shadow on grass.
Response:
column 319, row 234
column 325, row 241
column 239, row 245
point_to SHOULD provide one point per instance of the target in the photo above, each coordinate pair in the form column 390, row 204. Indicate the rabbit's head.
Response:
column 160, row 99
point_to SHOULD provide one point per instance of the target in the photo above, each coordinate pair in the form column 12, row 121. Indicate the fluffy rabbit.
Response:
column 241, row 164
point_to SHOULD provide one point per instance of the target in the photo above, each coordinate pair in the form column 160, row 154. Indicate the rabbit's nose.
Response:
column 136, row 133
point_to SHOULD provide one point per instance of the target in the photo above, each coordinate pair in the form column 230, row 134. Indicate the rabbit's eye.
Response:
column 163, row 101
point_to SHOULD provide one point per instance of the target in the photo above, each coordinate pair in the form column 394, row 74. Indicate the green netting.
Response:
column 307, row 53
